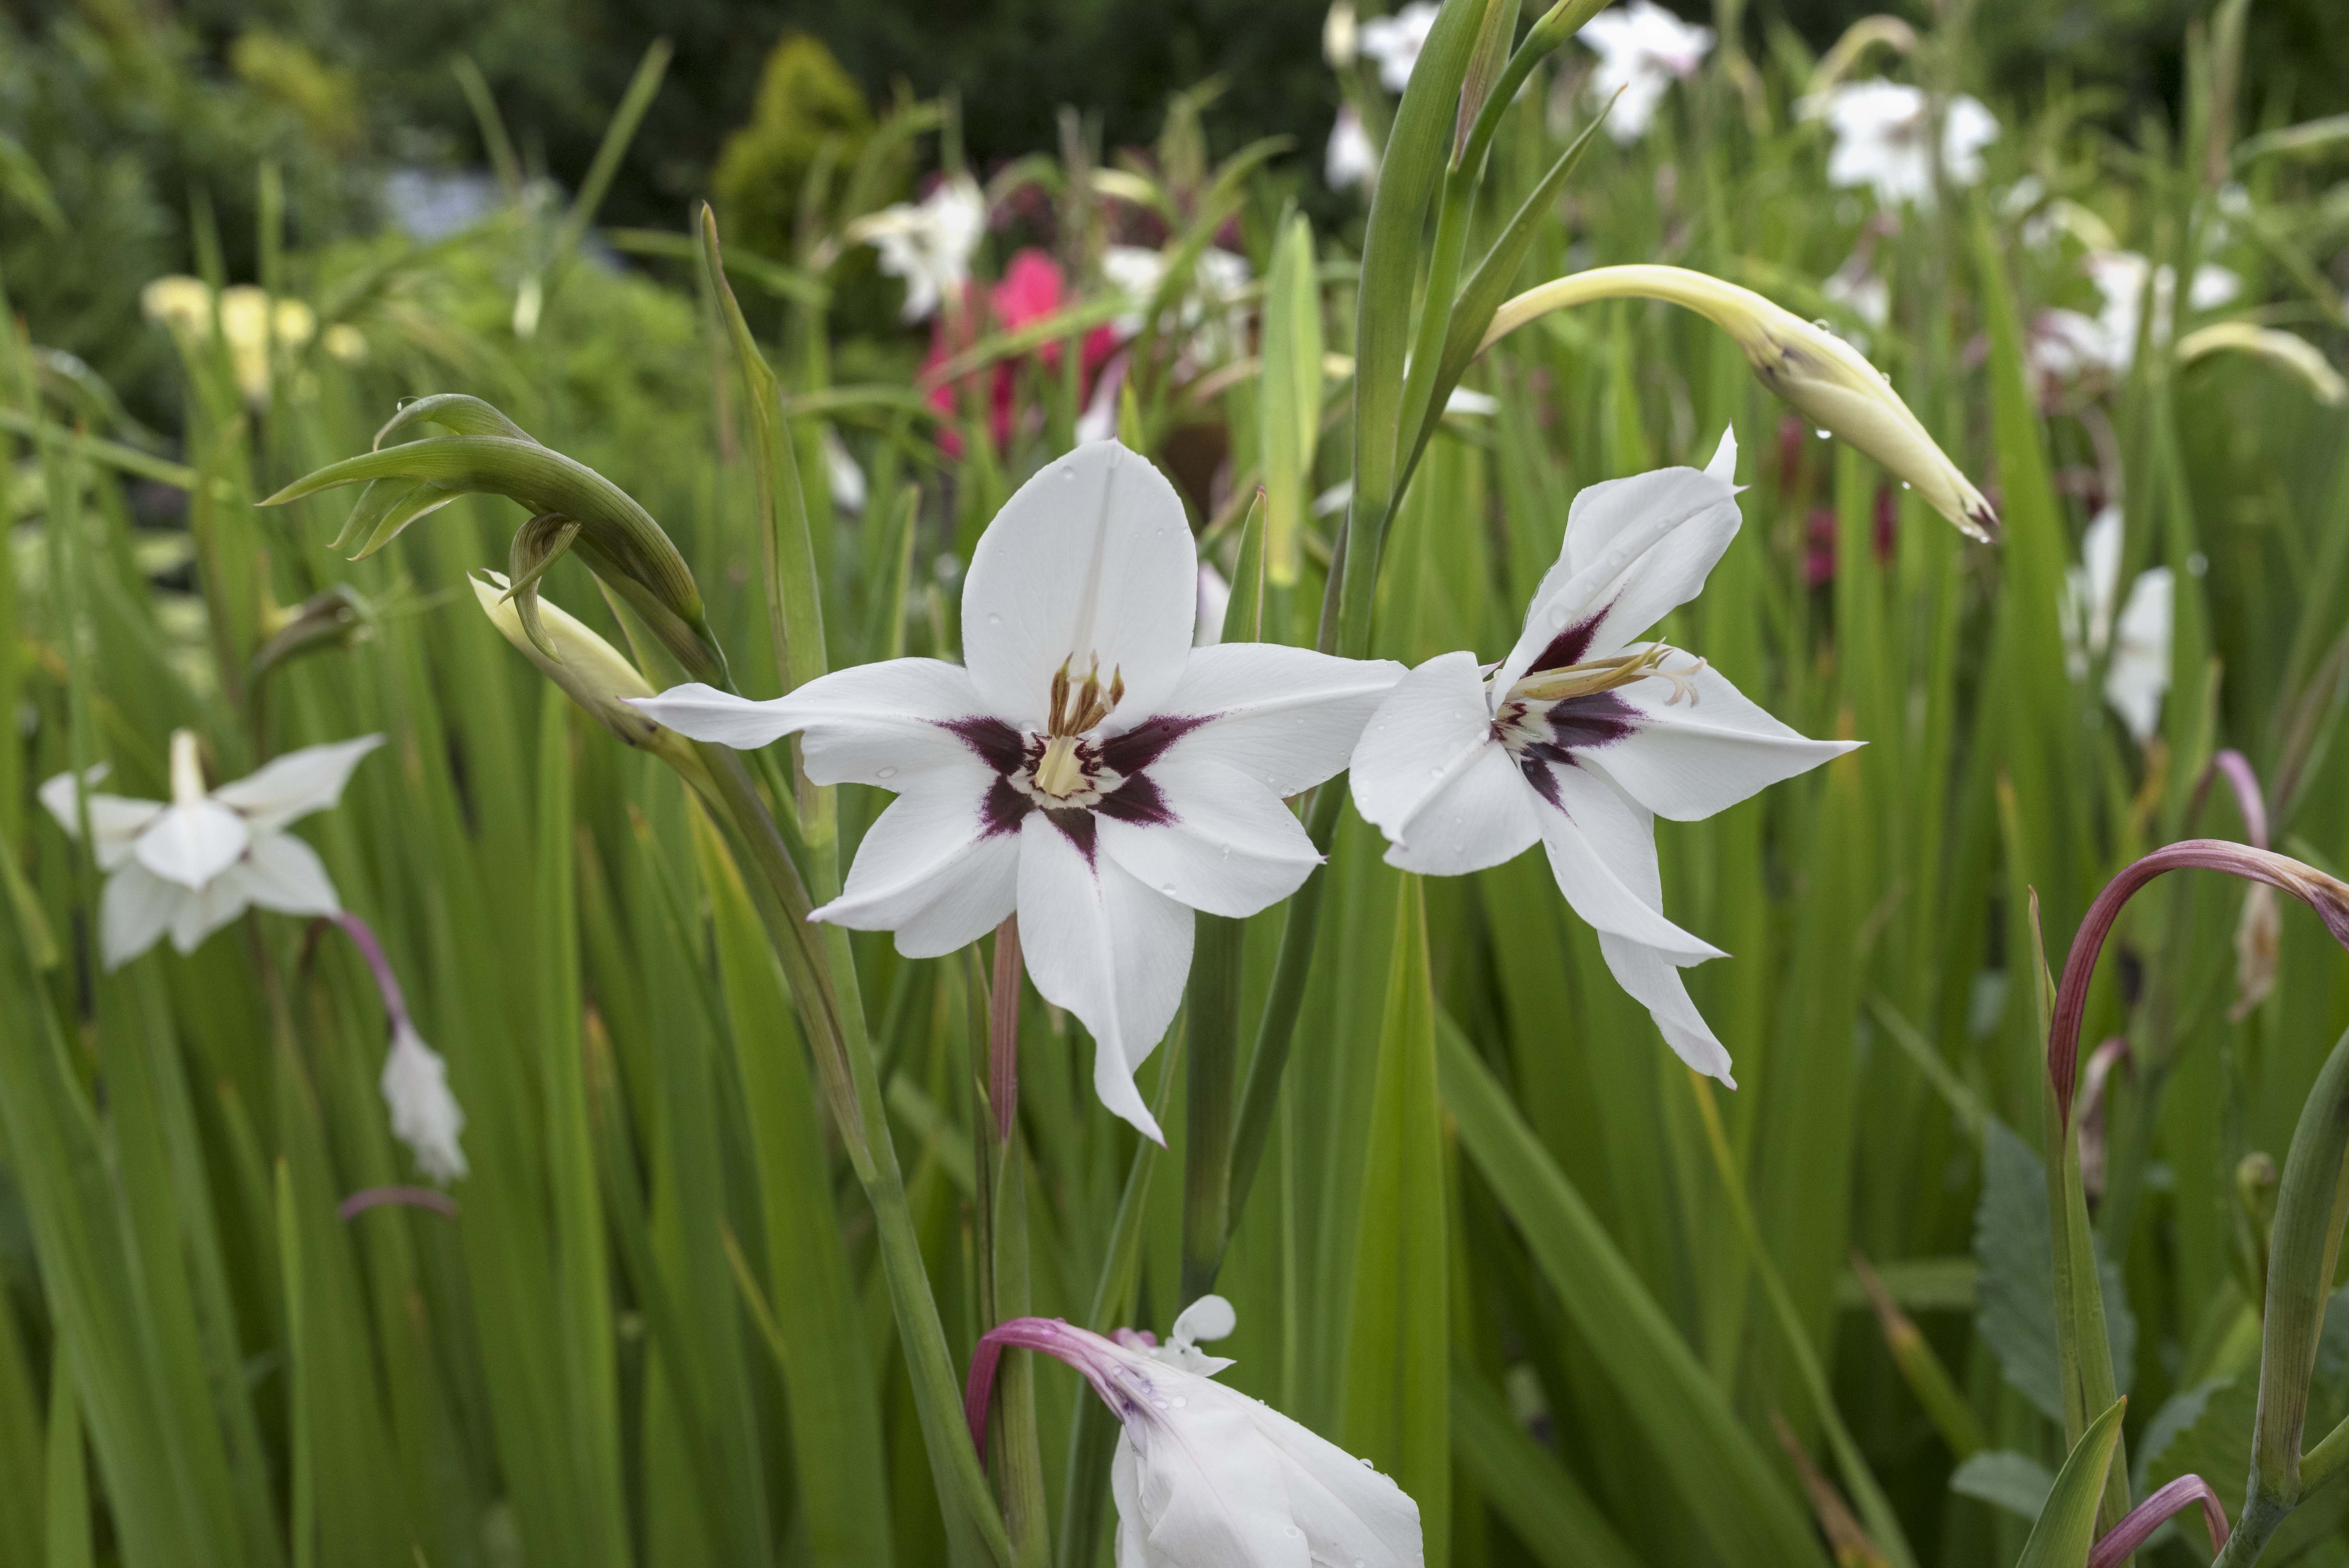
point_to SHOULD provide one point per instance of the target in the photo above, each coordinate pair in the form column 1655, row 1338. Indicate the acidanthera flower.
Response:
column 928, row 243
column 1884, row 138
column 415, row 1081
column 1642, row 49
column 1205, row 1477
column 191, row 865
column 1582, row 736
column 1084, row 764
column 2137, row 639
column 1352, row 159
column 1394, row 42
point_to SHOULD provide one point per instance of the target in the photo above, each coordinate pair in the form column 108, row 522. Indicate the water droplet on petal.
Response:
column 1180, row 1402
column 993, row 619
column 886, row 773
column 1435, row 773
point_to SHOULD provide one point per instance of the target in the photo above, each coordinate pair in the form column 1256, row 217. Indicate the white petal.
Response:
column 1636, row 549
column 1107, row 948
column 2137, row 678
column 1429, row 775
column 1654, row 981
column 115, row 820
column 1286, row 716
column 1349, row 1512
column 1229, row 846
column 1091, row 559
column 1602, row 850
column 193, row 844
column 1209, row 1317
column 136, row 908
column 1124, row 1490
column 424, row 1114
column 1706, row 752
column 282, row 873
column 206, row 909
column 1209, row 1489
column 874, row 724
column 297, row 783
column 934, row 867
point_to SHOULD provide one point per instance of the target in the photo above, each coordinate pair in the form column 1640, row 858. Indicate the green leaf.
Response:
column 1290, row 406
column 2067, row 1526
column 2004, row 1478
column 2014, row 1245
column 1523, row 1482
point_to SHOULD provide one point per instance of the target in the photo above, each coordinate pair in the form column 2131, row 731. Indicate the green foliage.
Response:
column 807, row 108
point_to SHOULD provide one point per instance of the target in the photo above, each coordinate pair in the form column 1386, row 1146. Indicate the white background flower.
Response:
column 1084, row 765
column 1883, row 137
column 928, row 243
column 190, row 866
column 2137, row 674
column 1642, row 49
column 2121, row 278
column 424, row 1114
column 1351, row 160
column 1582, row 736
column 1394, row 42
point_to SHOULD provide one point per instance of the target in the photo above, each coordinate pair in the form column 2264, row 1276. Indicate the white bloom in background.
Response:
column 1884, row 136
column 1084, row 765
column 191, row 865
column 1581, row 736
column 840, row 472
column 1351, row 160
column 2122, row 278
column 1340, row 38
column 1205, row 1477
column 424, row 1114
column 928, row 243
column 1210, row 312
column 1642, row 49
column 2137, row 639
column 1394, row 42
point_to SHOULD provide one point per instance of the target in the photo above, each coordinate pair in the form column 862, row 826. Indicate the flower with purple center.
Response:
column 1205, row 1477
column 1085, row 766
column 1583, row 735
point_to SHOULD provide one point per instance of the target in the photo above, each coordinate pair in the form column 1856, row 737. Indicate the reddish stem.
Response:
column 1003, row 1031
column 387, row 984
column 2247, row 799
column 366, row 1198
column 2148, row 1516
column 2328, row 897
column 1051, row 1335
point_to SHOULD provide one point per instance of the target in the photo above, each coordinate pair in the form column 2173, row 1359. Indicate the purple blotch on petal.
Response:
column 1077, row 823
column 998, row 745
column 1004, row 807
column 1146, row 742
column 1595, row 720
column 1138, row 801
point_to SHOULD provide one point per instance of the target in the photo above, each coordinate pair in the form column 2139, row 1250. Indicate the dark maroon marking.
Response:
column 1568, row 646
column 1592, row 720
column 1538, row 773
column 1138, row 801
column 1146, row 742
column 1077, row 823
column 997, row 743
column 1003, row 808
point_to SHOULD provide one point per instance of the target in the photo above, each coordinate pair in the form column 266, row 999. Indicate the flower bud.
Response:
column 1340, row 41
column 2282, row 349
column 1825, row 378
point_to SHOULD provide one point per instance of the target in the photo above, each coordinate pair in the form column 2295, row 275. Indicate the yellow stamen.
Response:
column 1058, row 772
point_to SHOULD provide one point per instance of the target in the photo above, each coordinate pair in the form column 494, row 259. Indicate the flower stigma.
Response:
column 1069, row 766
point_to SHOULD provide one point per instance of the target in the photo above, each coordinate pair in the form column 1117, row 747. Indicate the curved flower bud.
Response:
column 1825, row 378
column 424, row 1114
column 2281, row 349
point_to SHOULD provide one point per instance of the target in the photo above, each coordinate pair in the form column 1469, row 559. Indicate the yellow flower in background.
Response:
column 251, row 322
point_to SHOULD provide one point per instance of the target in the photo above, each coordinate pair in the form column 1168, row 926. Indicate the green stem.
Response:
column 1214, row 1010
column 2301, row 1251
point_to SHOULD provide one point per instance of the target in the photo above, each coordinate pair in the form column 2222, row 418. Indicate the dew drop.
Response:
column 993, row 619
column 1435, row 773
column 1180, row 1402
column 1364, row 1463
column 1159, row 1403
column 886, row 773
column 1168, row 888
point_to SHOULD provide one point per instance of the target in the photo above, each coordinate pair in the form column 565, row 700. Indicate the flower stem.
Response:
column 1214, row 1010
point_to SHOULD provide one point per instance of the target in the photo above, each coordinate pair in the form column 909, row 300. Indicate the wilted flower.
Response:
column 191, row 865
column 1351, row 160
column 1642, row 49
column 1205, row 1477
column 928, row 243
column 1085, row 766
column 1884, row 136
column 1394, row 42
column 2137, row 676
column 1581, row 736
column 424, row 1114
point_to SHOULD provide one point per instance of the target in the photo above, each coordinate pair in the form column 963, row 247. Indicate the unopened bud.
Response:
column 2284, row 350
column 1340, row 43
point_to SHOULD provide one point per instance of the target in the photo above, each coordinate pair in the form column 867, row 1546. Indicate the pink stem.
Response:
column 2247, row 799
column 387, row 984
column 2327, row 897
column 366, row 1198
column 2148, row 1516
column 1053, row 1337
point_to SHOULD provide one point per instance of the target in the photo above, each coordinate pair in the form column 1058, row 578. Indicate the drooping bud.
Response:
column 334, row 619
column 1825, row 378
column 2284, row 350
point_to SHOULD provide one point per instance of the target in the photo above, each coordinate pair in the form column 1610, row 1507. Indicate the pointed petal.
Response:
column 282, row 873
column 1602, row 850
column 295, row 784
column 1636, row 549
column 1288, row 717
column 1208, row 1487
column 424, row 1114
column 1107, row 948
column 115, row 820
column 1091, row 558
column 2137, row 678
column 875, row 724
column 193, row 844
column 1705, row 753
column 206, row 909
column 937, row 868
column 1222, row 842
column 1429, row 775
column 1350, row 1512
column 1653, row 980
column 135, row 910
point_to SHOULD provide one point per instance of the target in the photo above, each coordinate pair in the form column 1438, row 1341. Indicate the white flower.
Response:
column 1084, row 765
column 1642, row 49
column 1218, row 279
column 1394, row 42
column 1205, row 1477
column 1581, row 736
column 1884, row 134
column 190, row 866
column 928, row 243
column 1351, row 160
column 2122, row 277
column 2137, row 676
column 424, row 1114
column 842, row 473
